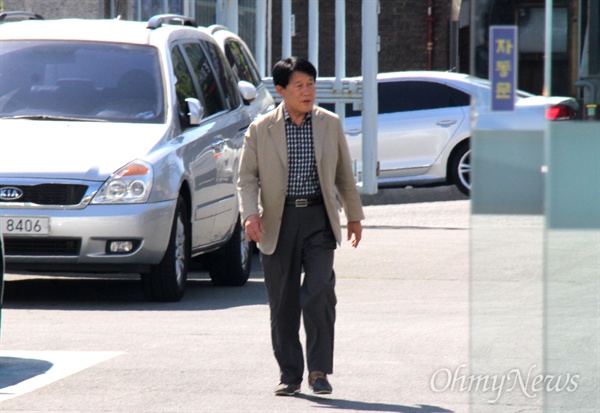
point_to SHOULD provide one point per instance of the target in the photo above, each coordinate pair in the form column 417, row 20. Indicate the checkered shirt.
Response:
column 303, row 178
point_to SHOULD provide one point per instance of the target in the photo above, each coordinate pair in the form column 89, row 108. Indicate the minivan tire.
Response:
column 230, row 265
column 166, row 280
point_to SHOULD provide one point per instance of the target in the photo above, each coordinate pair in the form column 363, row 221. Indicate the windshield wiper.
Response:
column 53, row 117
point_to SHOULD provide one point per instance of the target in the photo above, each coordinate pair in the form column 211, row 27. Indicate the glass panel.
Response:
column 535, row 224
column 573, row 266
column 572, row 238
column 506, row 288
column 507, row 244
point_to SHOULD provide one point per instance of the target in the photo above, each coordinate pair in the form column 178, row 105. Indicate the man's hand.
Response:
column 254, row 228
column 354, row 228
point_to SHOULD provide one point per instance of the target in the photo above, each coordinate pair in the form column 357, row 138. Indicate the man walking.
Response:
column 295, row 169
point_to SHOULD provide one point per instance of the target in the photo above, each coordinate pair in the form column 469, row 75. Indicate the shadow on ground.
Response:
column 15, row 370
column 392, row 196
column 355, row 405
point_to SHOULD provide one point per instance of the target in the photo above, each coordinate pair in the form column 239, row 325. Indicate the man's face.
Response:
column 299, row 95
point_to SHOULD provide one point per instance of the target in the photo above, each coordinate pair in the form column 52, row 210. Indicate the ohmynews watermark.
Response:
column 529, row 384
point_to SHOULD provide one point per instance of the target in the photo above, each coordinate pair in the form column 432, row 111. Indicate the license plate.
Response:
column 25, row 225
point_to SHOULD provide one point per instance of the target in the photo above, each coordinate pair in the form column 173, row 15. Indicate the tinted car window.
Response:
column 107, row 81
column 417, row 95
column 240, row 63
column 223, row 76
column 209, row 86
column 184, row 86
column 404, row 96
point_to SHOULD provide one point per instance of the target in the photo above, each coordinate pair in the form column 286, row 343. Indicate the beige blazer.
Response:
column 263, row 174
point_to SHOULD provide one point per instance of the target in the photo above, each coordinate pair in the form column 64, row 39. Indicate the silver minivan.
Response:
column 119, row 151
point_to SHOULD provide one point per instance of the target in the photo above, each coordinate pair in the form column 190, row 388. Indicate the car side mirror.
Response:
column 247, row 90
column 196, row 111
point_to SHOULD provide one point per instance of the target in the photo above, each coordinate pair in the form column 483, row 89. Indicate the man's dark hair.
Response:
column 282, row 71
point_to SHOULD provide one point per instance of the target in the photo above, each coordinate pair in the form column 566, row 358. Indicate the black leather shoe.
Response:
column 287, row 389
column 317, row 381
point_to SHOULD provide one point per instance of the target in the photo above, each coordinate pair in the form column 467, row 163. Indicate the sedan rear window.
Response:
column 80, row 80
column 407, row 96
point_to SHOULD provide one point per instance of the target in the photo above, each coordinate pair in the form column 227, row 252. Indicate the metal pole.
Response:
column 221, row 17
column 430, row 19
column 232, row 15
column 369, row 113
column 191, row 9
column 340, row 53
column 313, row 33
column 473, row 27
column 138, row 10
column 548, row 50
column 261, row 36
column 286, row 28
column 270, row 35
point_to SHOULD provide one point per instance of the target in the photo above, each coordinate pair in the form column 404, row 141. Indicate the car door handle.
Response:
column 217, row 146
column 445, row 122
column 218, row 142
column 354, row 132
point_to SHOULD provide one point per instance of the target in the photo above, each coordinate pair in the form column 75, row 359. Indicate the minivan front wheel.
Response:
column 460, row 168
column 166, row 280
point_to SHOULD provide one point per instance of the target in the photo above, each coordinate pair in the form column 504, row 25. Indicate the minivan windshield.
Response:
column 55, row 79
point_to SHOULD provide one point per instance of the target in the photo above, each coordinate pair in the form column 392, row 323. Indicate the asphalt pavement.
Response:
column 402, row 323
column 438, row 311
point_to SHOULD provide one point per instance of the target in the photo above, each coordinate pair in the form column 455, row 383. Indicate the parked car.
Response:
column 424, row 125
column 245, row 68
column 120, row 148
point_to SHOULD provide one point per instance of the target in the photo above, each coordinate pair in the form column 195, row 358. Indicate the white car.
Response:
column 424, row 125
column 120, row 146
column 245, row 68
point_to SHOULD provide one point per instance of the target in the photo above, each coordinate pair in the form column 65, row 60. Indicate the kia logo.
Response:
column 10, row 193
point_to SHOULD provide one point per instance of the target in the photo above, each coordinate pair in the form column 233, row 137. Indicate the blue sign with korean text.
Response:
column 503, row 67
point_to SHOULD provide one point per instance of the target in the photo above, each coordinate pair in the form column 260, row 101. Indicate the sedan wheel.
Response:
column 460, row 168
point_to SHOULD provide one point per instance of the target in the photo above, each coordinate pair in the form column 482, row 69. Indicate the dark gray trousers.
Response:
column 306, row 242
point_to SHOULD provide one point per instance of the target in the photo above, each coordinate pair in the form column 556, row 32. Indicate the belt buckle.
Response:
column 301, row 203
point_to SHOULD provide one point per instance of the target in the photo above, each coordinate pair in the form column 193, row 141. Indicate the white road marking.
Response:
column 61, row 364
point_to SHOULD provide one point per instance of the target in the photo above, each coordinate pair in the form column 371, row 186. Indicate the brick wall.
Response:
column 402, row 29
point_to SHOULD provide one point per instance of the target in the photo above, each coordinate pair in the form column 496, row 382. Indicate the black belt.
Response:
column 301, row 202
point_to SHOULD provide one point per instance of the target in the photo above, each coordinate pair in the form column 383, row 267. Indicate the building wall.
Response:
column 403, row 31
column 55, row 9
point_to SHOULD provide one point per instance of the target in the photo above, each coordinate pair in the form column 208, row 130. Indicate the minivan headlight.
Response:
column 129, row 185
